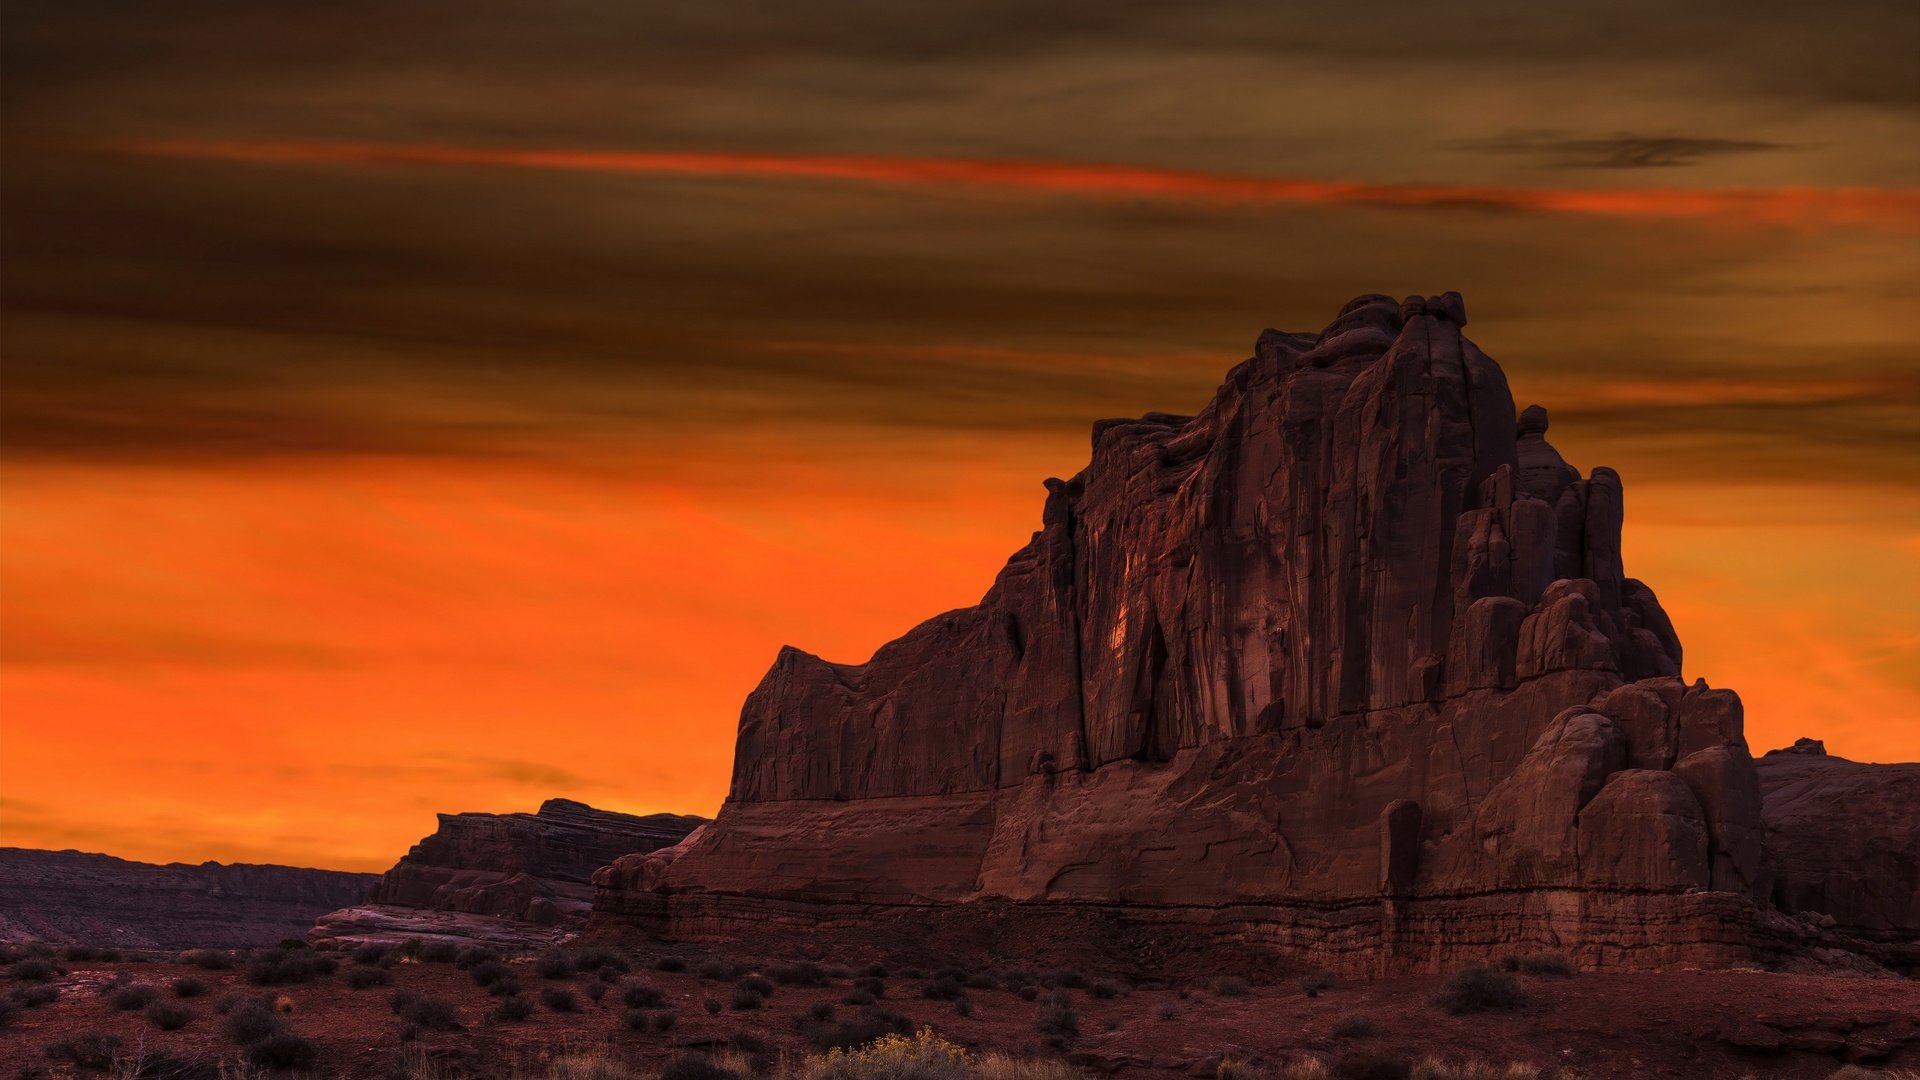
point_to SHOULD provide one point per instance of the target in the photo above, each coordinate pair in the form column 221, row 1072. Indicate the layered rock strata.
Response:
column 1345, row 668
column 501, row 878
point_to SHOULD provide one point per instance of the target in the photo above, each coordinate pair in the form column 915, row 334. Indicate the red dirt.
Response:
column 1685, row 1024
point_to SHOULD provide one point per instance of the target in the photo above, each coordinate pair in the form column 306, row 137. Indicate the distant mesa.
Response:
column 1344, row 670
column 506, row 879
column 73, row 897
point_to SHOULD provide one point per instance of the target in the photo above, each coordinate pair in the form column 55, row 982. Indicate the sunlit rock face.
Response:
column 1345, row 667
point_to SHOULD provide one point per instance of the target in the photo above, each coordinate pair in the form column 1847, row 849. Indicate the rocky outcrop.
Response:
column 1346, row 666
column 80, row 898
column 476, row 871
column 1843, row 844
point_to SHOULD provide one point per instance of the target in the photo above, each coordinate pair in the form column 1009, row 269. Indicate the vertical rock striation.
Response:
column 1346, row 666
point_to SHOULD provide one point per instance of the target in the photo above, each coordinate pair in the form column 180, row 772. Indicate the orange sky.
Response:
column 437, row 414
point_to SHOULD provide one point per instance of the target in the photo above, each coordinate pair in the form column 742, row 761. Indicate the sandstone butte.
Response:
column 506, row 879
column 1344, row 671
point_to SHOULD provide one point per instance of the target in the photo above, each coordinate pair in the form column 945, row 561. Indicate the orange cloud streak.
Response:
column 1876, row 208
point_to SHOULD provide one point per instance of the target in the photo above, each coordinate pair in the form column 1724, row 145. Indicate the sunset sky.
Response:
column 426, row 406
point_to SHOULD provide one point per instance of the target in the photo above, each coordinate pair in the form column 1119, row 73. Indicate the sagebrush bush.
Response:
column 1318, row 983
column 8, row 1009
column 595, row 990
column 554, row 965
column 285, row 967
column 759, row 984
column 559, row 999
column 1235, row 1069
column 366, row 978
column 438, row 952
column 871, row 1024
column 638, row 995
column 857, row 997
column 208, row 959
column 1479, row 989
column 511, row 1009
column 489, row 972
column 799, row 973
column 1231, row 986
column 374, row 953
column 187, row 986
column 600, row 959
column 87, row 1050
column 1358, row 1027
column 1169, row 1011
column 712, row 1005
column 1069, row 978
column 1059, row 1021
column 871, row 984
column 1104, row 990
column 669, row 963
column 473, row 956
column 424, row 1011
column 281, row 1050
column 131, row 998
column 874, row 970
column 718, row 971
column 746, row 1000
column 1029, row 993
column 248, row 1021
column 943, row 989
column 35, row 969
column 169, row 1016
column 821, row 1011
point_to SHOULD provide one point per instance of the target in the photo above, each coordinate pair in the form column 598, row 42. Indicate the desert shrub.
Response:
column 131, row 998
column 488, row 972
column 874, row 971
column 1231, row 986
column 8, row 1009
column 963, row 1006
column 1510, row 962
column 595, row 990
column 1169, row 1011
column 473, row 956
column 289, row 944
column 554, row 965
column 424, row 1011
column 375, row 953
column 1067, row 977
column 229, row 1002
column 599, row 957
column 669, row 963
column 187, row 986
column 35, row 969
column 663, row 1020
column 78, row 954
column 438, row 952
column 799, row 973
column 712, row 1005
column 870, row 1025
column 559, row 999
column 641, row 996
column 87, row 1050
column 1358, row 1027
column 1373, row 1066
column 284, row 967
column 208, row 959
column 281, row 1050
column 1320, row 981
column 1104, row 990
column 366, row 978
column 1056, row 1020
column 506, row 987
column 921, row 1056
column 745, row 1000
column 696, row 1067
column 1479, row 989
column 1547, row 966
column 821, row 1011
column 1029, row 992
column 871, row 984
column 248, row 1021
column 857, row 997
column 168, row 1016
column 759, row 984
column 982, row 981
column 1235, row 1069
column 943, row 989
column 718, row 971
column 511, row 1009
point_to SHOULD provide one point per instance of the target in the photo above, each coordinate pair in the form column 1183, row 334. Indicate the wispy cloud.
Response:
column 1869, row 207
column 1619, row 151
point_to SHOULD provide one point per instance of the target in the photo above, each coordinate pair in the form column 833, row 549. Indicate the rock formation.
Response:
column 1843, row 842
column 80, row 898
column 1345, row 667
column 504, row 878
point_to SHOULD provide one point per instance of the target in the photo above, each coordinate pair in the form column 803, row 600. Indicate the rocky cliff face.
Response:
column 75, row 897
column 533, row 869
column 1843, row 843
column 1347, row 665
